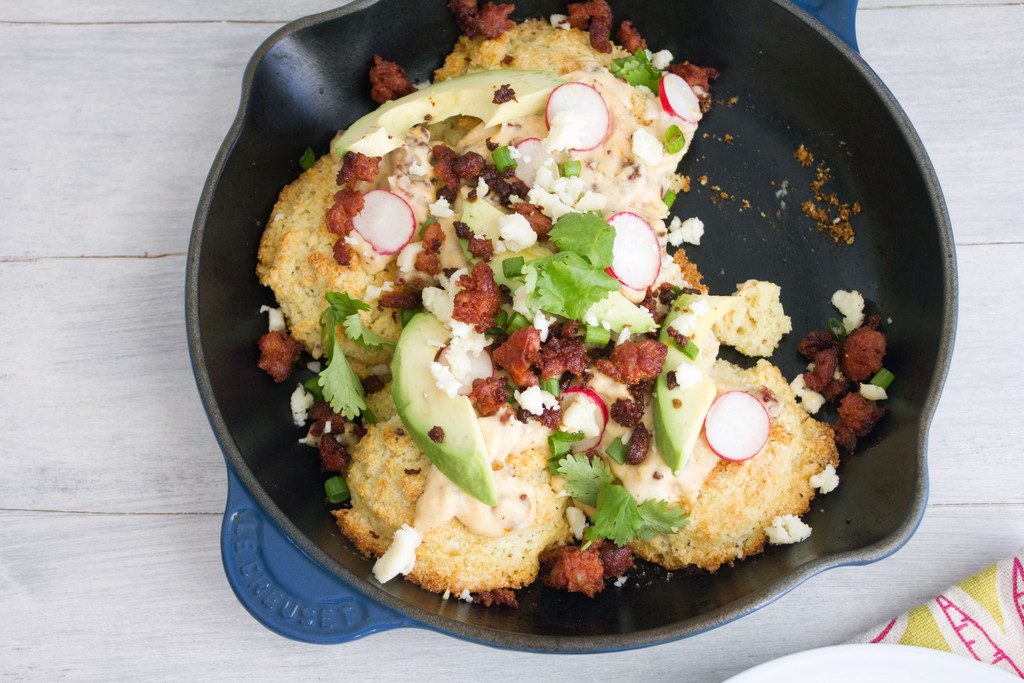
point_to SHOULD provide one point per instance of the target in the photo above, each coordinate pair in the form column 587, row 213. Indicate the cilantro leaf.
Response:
column 307, row 159
column 587, row 234
column 312, row 387
column 584, row 477
column 636, row 70
column 659, row 518
column 344, row 305
column 363, row 336
column 568, row 285
column 617, row 517
column 341, row 387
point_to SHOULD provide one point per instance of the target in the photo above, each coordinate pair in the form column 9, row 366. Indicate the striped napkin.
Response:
column 980, row 617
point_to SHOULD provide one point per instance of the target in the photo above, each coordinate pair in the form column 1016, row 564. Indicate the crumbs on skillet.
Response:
column 830, row 215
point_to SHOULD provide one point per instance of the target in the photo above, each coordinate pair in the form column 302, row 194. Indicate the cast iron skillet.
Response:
column 797, row 83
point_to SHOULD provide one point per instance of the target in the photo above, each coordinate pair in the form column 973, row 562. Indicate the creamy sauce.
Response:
column 414, row 188
column 517, row 499
column 372, row 262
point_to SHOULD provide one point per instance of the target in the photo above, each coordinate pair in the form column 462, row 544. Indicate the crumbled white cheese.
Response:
column 417, row 169
column 851, row 306
column 482, row 187
column 373, row 292
column 514, row 153
column 447, row 594
column 624, row 335
column 301, row 402
column 786, row 529
column 275, row 318
column 591, row 201
column 400, row 557
column 700, row 307
column 520, row 297
column 645, row 90
column 685, row 324
column 577, row 521
column 420, row 85
column 810, row 400
column 314, row 366
column 444, row 379
column 661, row 59
column 872, row 392
column 437, row 302
column 560, row 21
column 647, row 148
column 579, row 418
column 543, row 324
column 516, row 233
column 827, row 480
column 441, row 208
column 687, row 374
column 689, row 231
column 327, row 426
column 466, row 595
column 407, row 257
column 557, row 196
column 565, row 131
column 463, row 352
column 621, row 581
column 535, row 400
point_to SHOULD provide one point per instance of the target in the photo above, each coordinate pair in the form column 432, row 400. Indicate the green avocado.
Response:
column 383, row 129
column 481, row 216
column 679, row 412
column 461, row 454
column 619, row 312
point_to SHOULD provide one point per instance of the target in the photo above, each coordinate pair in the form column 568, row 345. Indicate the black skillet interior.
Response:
column 793, row 86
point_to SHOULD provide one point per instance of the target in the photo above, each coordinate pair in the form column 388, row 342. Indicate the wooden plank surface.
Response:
column 113, row 484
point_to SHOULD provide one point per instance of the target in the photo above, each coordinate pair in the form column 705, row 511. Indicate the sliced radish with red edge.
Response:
column 590, row 113
column 531, row 157
column 636, row 256
column 596, row 403
column 386, row 221
column 736, row 426
column 678, row 98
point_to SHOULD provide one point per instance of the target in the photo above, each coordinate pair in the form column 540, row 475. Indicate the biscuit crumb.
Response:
column 803, row 156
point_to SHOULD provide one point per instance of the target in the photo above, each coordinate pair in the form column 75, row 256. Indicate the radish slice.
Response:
column 636, row 256
column 590, row 120
column 386, row 221
column 589, row 399
column 736, row 426
column 532, row 157
column 678, row 98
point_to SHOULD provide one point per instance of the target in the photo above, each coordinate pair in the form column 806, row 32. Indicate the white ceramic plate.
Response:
column 862, row 663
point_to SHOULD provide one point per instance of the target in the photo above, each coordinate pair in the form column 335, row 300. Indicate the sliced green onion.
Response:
column 503, row 159
column 691, row 350
column 571, row 168
column 513, row 267
column 617, row 451
column 426, row 224
column 518, row 322
column 307, row 159
column 407, row 315
column 552, row 386
column 674, row 139
column 883, row 378
column 313, row 387
column 561, row 443
column 597, row 335
column 669, row 198
column 501, row 318
column 336, row 490
column 837, row 328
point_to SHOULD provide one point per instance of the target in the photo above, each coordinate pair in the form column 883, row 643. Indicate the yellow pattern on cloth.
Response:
column 981, row 617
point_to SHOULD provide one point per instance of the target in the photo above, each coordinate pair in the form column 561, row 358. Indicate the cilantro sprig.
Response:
column 637, row 70
column 587, row 234
column 617, row 515
column 338, row 383
column 345, row 309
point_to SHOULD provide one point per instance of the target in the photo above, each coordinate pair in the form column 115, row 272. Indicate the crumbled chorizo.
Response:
column 436, row 434
column 562, row 354
column 357, row 167
column 634, row 361
column 320, row 414
column 489, row 21
column 373, row 383
column 278, row 352
column 857, row 417
column 540, row 223
column 639, row 444
column 595, row 16
column 347, row 205
column 502, row 597
column 629, row 38
column 468, row 166
column 834, row 390
column 488, row 395
column 815, row 341
column 388, row 81
column 342, row 252
column 504, row 185
column 574, row 570
column 617, row 560
column 444, row 166
column 333, row 456
column 550, row 418
column 478, row 299
column 862, row 353
column 402, row 298
column 429, row 260
column 628, row 412
column 481, row 247
column 519, row 352
column 697, row 77
column 825, row 363
column 504, row 94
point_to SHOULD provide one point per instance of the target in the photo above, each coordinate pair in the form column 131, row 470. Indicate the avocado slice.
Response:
column 383, row 129
column 679, row 412
column 619, row 312
column 462, row 454
column 481, row 216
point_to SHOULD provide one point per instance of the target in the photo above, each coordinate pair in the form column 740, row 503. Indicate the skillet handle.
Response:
column 285, row 589
column 839, row 16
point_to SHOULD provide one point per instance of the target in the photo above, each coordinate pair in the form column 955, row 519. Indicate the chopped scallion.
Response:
column 312, row 387
column 561, row 443
column 691, row 350
column 617, row 451
column 336, row 490
column 571, row 168
column 597, row 335
column 669, row 198
column 551, row 386
column 836, row 327
column 675, row 140
column 426, row 224
column 307, row 159
column 501, row 318
column 513, row 267
column 883, row 378
column 518, row 322
column 503, row 159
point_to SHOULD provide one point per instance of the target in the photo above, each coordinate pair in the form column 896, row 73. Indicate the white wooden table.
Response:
column 111, row 485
